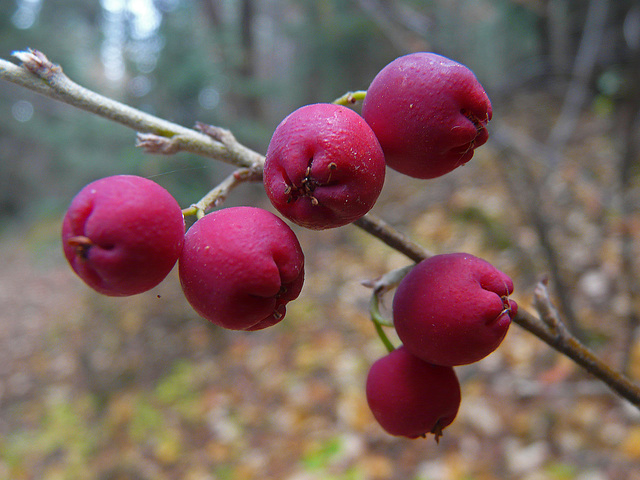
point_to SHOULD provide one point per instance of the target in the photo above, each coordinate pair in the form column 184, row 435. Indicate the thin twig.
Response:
column 578, row 90
column 388, row 281
column 40, row 75
column 548, row 313
column 526, row 190
column 392, row 237
column 219, row 194
column 572, row 348
column 350, row 98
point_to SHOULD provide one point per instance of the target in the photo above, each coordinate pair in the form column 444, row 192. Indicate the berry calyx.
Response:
column 324, row 167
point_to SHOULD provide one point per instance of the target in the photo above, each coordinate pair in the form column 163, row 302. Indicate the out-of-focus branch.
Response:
column 525, row 190
column 379, row 12
column 42, row 76
column 523, row 182
column 577, row 91
column 629, row 114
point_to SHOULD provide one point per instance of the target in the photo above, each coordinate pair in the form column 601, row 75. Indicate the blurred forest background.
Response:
column 141, row 388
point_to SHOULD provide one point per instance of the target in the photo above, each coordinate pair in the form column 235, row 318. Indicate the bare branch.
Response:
column 388, row 281
column 158, row 145
column 23, row 77
column 40, row 75
column 584, row 64
column 570, row 346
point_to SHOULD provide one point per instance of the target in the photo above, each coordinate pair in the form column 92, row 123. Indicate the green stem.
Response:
column 350, row 98
column 219, row 194
column 379, row 321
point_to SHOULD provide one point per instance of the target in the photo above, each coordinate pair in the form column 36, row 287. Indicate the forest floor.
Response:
column 141, row 388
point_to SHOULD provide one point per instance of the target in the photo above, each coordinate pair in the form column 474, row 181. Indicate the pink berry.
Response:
column 453, row 309
column 410, row 397
column 428, row 112
column 123, row 234
column 240, row 266
column 324, row 166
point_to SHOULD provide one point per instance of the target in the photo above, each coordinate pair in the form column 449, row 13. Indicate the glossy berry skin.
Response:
column 123, row 234
column 410, row 397
column 324, row 167
column 428, row 112
column 240, row 266
column 453, row 309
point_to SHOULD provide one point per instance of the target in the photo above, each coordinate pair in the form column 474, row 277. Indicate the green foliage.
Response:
column 561, row 471
column 318, row 457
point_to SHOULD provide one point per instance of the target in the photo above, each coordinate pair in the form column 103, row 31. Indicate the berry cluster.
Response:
column 449, row 310
column 423, row 115
column 238, row 266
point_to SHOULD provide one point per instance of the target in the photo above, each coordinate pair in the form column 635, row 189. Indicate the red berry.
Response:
column 240, row 266
column 411, row 398
column 123, row 234
column 453, row 309
column 324, row 167
column 428, row 112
